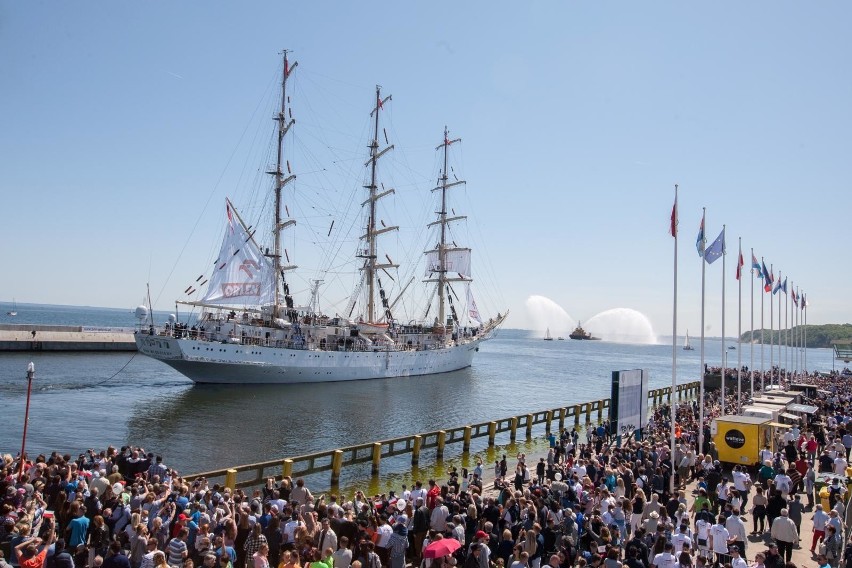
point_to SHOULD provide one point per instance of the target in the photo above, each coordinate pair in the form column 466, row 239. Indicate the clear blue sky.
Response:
column 126, row 124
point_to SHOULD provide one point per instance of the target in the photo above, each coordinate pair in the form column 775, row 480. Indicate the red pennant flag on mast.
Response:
column 740, row 263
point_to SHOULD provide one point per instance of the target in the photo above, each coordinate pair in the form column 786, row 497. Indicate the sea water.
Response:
column 91, row 400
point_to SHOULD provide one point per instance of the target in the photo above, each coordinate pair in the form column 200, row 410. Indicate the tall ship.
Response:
column 249, row 328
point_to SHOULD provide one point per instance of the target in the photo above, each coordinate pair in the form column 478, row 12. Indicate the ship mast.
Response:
column 370, row 254
column 443, row 221
column 280, row 181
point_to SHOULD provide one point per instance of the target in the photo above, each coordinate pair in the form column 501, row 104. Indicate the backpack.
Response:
column 833, row 495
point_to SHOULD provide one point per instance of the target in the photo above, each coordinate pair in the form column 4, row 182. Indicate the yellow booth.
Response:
column 739, row 439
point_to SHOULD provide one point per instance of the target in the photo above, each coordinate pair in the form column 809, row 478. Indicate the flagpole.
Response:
column 762, row 331
column 771, row 331
column 751, row 335
column 672, row 407
column 702, row 244
column 779, row 329
column 786, row 335
column 739, row 327
column 798, row 334
column 724, row 347
column 805, row 349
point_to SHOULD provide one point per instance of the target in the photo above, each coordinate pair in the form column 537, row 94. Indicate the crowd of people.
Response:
column 594, row 499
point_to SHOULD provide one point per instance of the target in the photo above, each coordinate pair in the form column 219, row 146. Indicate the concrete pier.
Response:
column 26, row 337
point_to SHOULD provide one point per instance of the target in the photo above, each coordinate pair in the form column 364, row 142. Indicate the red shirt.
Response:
column 35, row 561
column 432, row 496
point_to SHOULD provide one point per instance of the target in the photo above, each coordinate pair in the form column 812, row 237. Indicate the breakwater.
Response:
column 334, row 461
column 35, row 337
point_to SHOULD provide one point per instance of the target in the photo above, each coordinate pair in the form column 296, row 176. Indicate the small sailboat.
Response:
column 686, row 345
column 547, row 336
column 14, row 311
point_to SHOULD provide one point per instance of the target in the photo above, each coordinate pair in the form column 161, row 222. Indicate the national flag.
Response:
column 804, row 301
column 784, row 286
column 715, row 250
column 795, row 298
column 777, row 287
column 740, row 264
column 673, row 229
column 379, row 101
column 767, row 278
column 700, row 241
column 756, row 266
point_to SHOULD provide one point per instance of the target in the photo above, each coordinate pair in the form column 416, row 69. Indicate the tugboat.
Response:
column 580, row 333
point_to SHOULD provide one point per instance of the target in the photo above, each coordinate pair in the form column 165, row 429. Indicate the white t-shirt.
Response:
column 678, row 540
column 738, row 562
column 720, row 537
column 665, row 560
column 741, row 480
column 703, row 529
column 783, row 482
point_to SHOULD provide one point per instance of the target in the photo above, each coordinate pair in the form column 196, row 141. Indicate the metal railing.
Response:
column 254, row 474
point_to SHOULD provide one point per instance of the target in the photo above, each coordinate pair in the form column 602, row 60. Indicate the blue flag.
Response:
column 777, row 286
column 784, row 286
column 700, row 241
column 715, row 250
column 756, row 267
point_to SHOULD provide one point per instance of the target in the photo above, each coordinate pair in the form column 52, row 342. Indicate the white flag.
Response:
column 472, row 310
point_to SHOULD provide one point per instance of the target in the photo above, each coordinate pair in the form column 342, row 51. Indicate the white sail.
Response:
column 242, row 275
column 455, row 260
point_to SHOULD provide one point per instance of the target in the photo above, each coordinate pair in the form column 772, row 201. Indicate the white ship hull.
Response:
column 229, row 363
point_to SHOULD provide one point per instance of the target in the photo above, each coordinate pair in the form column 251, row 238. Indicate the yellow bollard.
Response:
column 529, row 426
column 442, row 440
column 513, row 428
column 377, row 457
column 287, row 468
column 492, row 433
column 231, row 479
column 467, row 433
column 415, row 451
column 336, row 466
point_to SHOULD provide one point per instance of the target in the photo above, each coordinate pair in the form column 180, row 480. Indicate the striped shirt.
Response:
column 176, row 551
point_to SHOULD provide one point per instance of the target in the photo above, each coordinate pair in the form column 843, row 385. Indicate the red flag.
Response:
column 379, row 102
column 740, row 263
column 673, row 229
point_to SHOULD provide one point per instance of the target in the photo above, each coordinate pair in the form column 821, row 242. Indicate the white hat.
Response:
column 118, row 488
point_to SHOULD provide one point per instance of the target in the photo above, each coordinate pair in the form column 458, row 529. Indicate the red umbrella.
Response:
column 442, row 547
